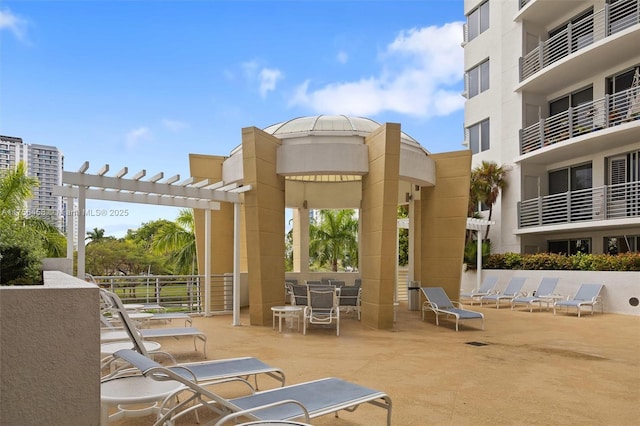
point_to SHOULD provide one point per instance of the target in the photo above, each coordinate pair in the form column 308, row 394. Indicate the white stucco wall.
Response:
column 50, row 353
column 619, row 287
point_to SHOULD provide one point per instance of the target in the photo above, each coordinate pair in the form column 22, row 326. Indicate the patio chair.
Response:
column 349, row 299
column 322, row 307
column 439, row 303
column 485, row 288
column 587, row 295
column 544, row 293
column 113, row 334
column 512, row 290
column 298, row 293
column 205, row 371
column 305, row 400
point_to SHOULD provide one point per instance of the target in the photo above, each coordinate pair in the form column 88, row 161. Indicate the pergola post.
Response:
column 236, row 263
column 207, row 262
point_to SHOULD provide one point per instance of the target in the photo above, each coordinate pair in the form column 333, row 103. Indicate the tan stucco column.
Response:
column 301, row 241
column 379, row 226
column 444, row 222
column 264, row 216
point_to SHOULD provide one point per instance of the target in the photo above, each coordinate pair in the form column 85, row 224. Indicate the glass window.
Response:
column 621, row 244
column 576, row 178
column 478, row 79
column 570, row 247
column 479, row 139
column 478, row 21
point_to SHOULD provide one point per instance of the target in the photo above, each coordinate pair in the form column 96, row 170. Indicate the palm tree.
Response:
column 15, row 189
column 487, row 182
column 53, row 241
column 178, row 240
column 334, row 238
column 96, row 235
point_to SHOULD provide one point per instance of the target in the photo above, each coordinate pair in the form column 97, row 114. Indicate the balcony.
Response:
column 588, row 32
column 588, row 118
column 610, row 202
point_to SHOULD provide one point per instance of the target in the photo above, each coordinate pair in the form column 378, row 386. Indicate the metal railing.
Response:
column 603, row 113
column 580, row 34
column 602, row 203
column 175, row 292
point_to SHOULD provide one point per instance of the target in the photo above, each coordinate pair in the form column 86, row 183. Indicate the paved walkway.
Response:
column 534, row 369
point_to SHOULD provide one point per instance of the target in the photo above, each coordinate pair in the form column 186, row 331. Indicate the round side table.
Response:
column 287, row 312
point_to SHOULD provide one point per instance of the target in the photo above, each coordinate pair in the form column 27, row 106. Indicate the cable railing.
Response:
column 602, row 203
column 179, row 293
column 589, row 117
column 580, row 34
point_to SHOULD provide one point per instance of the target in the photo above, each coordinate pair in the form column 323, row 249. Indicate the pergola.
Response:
column 156, row 190
column 479, row 225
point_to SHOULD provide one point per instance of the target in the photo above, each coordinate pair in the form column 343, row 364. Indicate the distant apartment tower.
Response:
column 43, row 162
column 553, row 93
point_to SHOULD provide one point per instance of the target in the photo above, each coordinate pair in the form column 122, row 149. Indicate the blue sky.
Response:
column 142, row 84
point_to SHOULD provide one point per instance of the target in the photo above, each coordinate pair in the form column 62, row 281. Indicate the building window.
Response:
column 573, row 178
column 478, row 137
column 477, row 79
column 570, row 247
column 621, row 244
column 478, row 21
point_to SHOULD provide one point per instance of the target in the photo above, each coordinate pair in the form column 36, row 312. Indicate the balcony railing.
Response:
column 603, row 203
column 175, row 292
column 604, row 23
column 603, row 113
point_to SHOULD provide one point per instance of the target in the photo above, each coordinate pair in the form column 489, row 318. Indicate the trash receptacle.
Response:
column 413, row 295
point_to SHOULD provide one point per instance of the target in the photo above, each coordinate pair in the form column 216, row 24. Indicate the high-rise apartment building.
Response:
column 43, row 162
column 553, row 93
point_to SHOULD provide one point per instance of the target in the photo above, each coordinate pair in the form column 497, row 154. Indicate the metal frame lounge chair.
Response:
column 544, row 293
column 349, row 299
column 305, row 400
column 322, row 307
column 206, row 371
column 485, row 288
column 512, row 290
column 587, row 295
column 147, row 333
column 439, row 303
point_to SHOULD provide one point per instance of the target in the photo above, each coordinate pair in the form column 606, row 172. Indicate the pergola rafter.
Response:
column 189, row 193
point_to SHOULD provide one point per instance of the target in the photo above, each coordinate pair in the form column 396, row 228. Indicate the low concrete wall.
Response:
column 61, row 264
column 619, row 287
column 49, row 353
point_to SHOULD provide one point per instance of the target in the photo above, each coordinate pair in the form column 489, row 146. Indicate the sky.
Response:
column 142, row 84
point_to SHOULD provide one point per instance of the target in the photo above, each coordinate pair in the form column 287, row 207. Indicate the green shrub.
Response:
column 553, row 261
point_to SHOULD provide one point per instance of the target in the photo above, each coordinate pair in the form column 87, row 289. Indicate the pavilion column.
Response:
column 264, row 207
column 380, row 226
column 444, row 219
column 301, row 241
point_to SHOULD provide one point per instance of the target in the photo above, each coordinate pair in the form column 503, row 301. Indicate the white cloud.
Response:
column 135, row 136
column 174, row 125
column 421, row 72
column 265, row 78
column 13, row 23
column 268, row 79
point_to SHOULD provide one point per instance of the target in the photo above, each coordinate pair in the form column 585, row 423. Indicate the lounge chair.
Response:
column 544, row 293
column 112, row 334
column 587, row 295
column 485, row 288
column 439, row 303
column 322, row 307
column 298, row 293
column 512, row 290
column 168, row 316
column 205, row 371
column 305, row 400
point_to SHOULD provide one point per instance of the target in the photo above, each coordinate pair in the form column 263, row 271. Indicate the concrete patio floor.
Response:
column 535, row 368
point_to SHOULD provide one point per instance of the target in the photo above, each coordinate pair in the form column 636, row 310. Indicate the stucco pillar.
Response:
column 301, row 241
column 444, row 222
column 379, row 226
column 415, row 247
column 264, row 218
